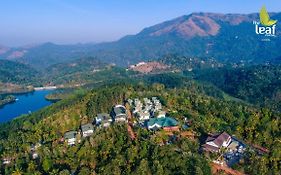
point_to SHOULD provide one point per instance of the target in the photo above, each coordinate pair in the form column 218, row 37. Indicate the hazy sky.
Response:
column 73, row 21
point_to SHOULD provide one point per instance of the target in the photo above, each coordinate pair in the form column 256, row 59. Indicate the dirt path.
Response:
column 217, row 168
column 130, row 123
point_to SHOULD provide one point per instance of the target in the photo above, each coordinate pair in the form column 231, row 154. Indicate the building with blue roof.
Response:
column 157, row 123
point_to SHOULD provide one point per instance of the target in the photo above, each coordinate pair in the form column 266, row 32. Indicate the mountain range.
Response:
column 225, row 37
column 210, row 73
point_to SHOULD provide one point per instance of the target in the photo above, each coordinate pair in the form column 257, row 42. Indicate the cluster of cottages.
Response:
column 149, row 113
column 118, row 114
column 233, row 149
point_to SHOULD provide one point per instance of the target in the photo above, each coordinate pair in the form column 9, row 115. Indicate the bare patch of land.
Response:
column 6, row 88
column 149, row 67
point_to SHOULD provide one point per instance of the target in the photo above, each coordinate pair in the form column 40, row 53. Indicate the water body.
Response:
column 26, row 103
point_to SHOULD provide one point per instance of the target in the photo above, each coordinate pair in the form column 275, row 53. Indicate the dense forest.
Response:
column 17, row 73
column 111, row 151
column 16, row 76
column 85, row 71
column 243, row 101
column 259, row 84
column 186, row 63
column 255, row 84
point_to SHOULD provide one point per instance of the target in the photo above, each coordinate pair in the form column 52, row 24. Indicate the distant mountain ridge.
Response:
column 3, row 49
column 225, row 37
column 196, row 24
column 229, row 37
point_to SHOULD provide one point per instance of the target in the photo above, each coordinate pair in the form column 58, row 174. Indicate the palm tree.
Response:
column 17, row 172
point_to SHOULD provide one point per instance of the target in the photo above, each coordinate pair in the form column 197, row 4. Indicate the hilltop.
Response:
column 111, row 148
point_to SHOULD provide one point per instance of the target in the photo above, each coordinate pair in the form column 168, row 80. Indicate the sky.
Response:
column 24, row 22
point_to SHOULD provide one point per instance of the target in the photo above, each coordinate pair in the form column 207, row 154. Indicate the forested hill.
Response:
column 188, row 63
column 78, row 72
column 256, row 84
column 13, row 72
column 111, row 151
column 83, row 71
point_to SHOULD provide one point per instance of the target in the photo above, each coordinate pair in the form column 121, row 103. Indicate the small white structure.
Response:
column 144, row 115
column 35, row 155
column 161, row 114
column 130, row 101
column 87, row 129
column 119, row 113
column 148, row 107
column 70, row 137
column 103, row 120
column 6, row 161
column 147, row 102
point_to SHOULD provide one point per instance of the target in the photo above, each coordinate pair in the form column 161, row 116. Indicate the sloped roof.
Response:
column 87, row 127
column 210, row 148
column 163, row 122
column 233, row 145
column 219, row 138
column 161, row 113
column 119, row 110
column 70, row 134
column 104, row 116
column 144, row 113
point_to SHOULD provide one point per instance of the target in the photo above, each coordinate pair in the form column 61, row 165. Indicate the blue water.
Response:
column 25, row 104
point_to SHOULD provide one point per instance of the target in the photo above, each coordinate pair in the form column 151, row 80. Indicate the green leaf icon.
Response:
column 265, row 19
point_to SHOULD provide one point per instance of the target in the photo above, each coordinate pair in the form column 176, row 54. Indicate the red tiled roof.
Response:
column 171, row 128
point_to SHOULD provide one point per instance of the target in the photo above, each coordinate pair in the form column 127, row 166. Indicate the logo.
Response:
column 266, row 26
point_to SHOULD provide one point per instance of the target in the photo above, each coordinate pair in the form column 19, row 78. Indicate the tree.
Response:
column 31, row 167
column 47, row 164
column 84, row 171
column 17, row 172
column 159, row 168
column 64, row 172
column 143, row 168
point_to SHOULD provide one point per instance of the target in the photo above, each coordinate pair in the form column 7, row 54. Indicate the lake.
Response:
column 26, row 103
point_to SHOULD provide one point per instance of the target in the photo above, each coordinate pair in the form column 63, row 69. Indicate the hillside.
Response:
column 43, row 55
column 149, row 67
column 17, row 73
column 112, row 149
column 224, row 37
column 189, row 64
column 84, row 71
column 256, row 84
column 15, row 76
column 229, row 37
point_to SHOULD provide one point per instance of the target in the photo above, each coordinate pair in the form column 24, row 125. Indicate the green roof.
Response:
column 163, row 122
